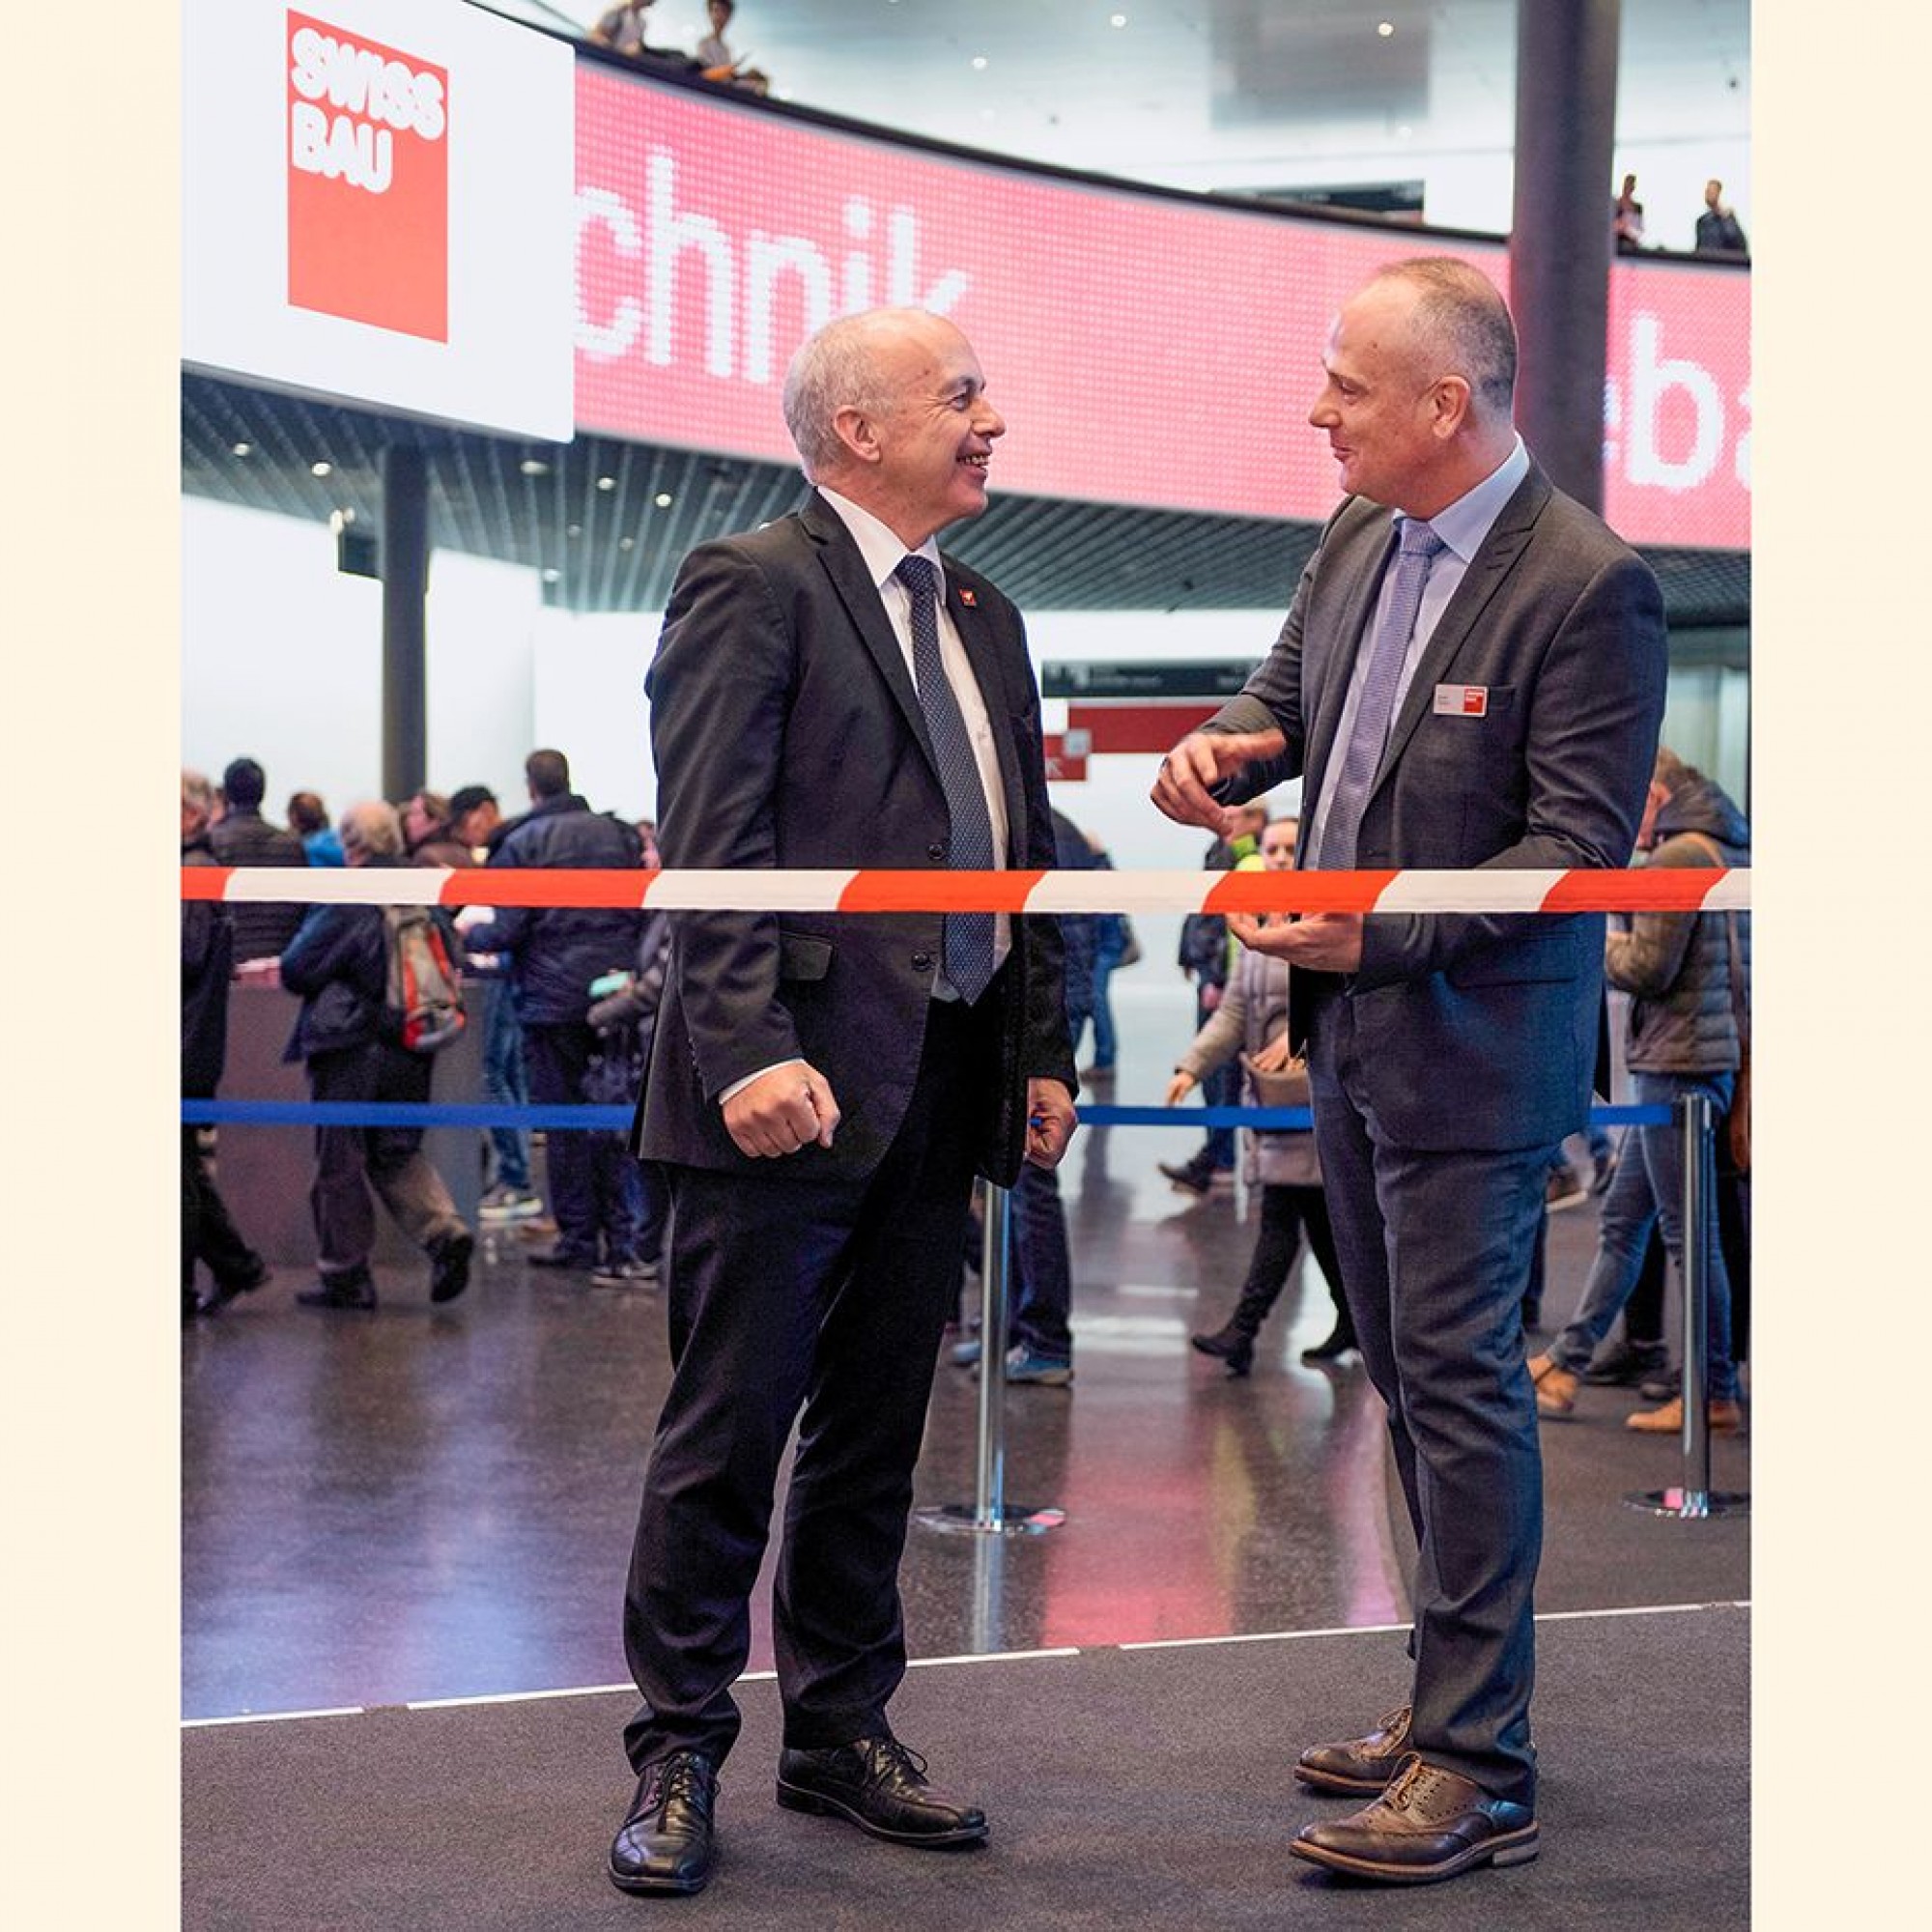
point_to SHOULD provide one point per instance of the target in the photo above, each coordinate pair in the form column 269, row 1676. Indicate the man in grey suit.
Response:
column 1472, row 676
column 829, row 692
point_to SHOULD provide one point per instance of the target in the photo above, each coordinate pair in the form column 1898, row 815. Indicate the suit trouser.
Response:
column 1435, row 1248
column 348, row 1161
column 785, row 1290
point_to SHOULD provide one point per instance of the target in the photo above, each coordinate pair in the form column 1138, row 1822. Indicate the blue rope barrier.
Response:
column 590, row 1120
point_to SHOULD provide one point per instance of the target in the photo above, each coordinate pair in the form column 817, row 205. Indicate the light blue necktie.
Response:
column 968, row 935
column 1364, row 752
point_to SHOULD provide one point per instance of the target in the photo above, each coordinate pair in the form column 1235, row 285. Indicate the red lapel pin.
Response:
column 967, row 597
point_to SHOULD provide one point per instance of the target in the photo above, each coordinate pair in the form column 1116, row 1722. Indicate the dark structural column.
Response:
column 405, row 584
column 1566, row 111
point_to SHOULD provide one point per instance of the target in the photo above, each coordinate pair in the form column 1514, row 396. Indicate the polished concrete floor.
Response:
column 434, row 1503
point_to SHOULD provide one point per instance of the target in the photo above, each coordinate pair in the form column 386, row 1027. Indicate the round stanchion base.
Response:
column 1689, row 1503
column 1007, row 1519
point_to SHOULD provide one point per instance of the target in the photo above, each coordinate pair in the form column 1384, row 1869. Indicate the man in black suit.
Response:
column 829, row 692
column 1471, row 676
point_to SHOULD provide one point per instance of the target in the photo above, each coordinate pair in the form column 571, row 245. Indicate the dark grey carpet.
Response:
column 1127, row 1788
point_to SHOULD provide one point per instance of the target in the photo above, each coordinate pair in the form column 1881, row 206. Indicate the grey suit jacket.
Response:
column 1480, row 1030
column 787, row 732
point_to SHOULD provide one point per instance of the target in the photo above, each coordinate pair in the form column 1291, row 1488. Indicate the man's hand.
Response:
column 1327, row 942
column 781, row 1111
column 1273, row 1058
column 1202, row 760
column 1050, row 1122
column 1180, row 1087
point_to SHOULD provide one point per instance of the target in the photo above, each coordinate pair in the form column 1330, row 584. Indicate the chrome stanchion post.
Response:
column 989, row 1472
column 1694, row 1498
column 989, row 1514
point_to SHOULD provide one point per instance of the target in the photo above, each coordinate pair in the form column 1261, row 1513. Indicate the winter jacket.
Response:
column 208, row 952
column 338, row 961
column 1676, row 965
column 1253, row 1012
column 556, row 951
column 247, row 838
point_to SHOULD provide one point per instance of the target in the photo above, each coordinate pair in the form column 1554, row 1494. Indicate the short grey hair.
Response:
column 197, row 793
column 373, row 826
column 1464, row 320
column 833, row 370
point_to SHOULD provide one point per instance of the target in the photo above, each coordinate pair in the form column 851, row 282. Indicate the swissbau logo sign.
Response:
column 368, row 180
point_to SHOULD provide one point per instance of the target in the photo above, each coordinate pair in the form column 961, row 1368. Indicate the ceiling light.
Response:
column 572, row 529
column 607, row 482
column 979, row 63
column 320, row 468
column 1384, row 28
column 663, row 499
column 625, row 543
column 1116, row 20
column 533, row 466
column 241, row 449
column 551, row 575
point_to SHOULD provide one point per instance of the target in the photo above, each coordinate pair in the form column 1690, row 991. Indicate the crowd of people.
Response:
column 1718, row 230
column 815, row 1093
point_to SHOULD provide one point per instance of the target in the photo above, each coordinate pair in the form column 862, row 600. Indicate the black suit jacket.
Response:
column 787, row 732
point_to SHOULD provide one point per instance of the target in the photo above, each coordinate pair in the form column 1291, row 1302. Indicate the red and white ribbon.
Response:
column 1644, row 889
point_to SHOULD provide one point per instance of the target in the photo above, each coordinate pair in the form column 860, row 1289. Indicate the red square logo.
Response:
column 1475, row 700
column 368, row 181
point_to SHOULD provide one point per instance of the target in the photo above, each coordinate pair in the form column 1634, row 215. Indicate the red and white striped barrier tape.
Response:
column 1659, row 888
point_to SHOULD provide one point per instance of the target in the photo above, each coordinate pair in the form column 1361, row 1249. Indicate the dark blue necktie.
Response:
column 968, row 935
column 1364, row 752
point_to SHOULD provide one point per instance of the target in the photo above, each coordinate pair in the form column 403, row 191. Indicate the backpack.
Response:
column 423, row 993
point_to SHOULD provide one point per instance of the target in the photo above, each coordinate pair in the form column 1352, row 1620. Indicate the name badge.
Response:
column 1462, row 700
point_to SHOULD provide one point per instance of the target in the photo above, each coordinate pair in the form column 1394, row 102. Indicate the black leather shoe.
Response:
column 880, row 1786
column 665, row 1843
column 258, row 1274
column 1229, row 1345
column 1430, row 1824
column 1362, row 1764
column 352, row 1288
column 1192, row 1177
column 449, row 1264
column 1332, row 1346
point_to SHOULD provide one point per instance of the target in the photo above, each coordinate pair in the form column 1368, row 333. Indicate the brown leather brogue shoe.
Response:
column 880, row 1786
column 665, row 1843
column 1362, row 1764
column 1430, row 1824
column 1723, row 1418
column 1555, row 1387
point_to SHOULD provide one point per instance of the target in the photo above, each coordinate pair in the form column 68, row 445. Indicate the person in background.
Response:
column 555, row 953
column 830, row 689
column 338, row 963
column 1720, row 232
column 477, row 824
column 428, row 836
column 208, row 1232
column 1114, row 947
column 1448, row 1054
column 1626, row 219
column 1249, row 1029
column 242, row 837
column 308, row 820
column 622, row 30
column 1040, row 1331
column 1680, row 969
column 718, row 61
column 1205, row 952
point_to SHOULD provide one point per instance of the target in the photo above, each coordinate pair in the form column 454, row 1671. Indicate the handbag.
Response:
column 1287, row 1087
